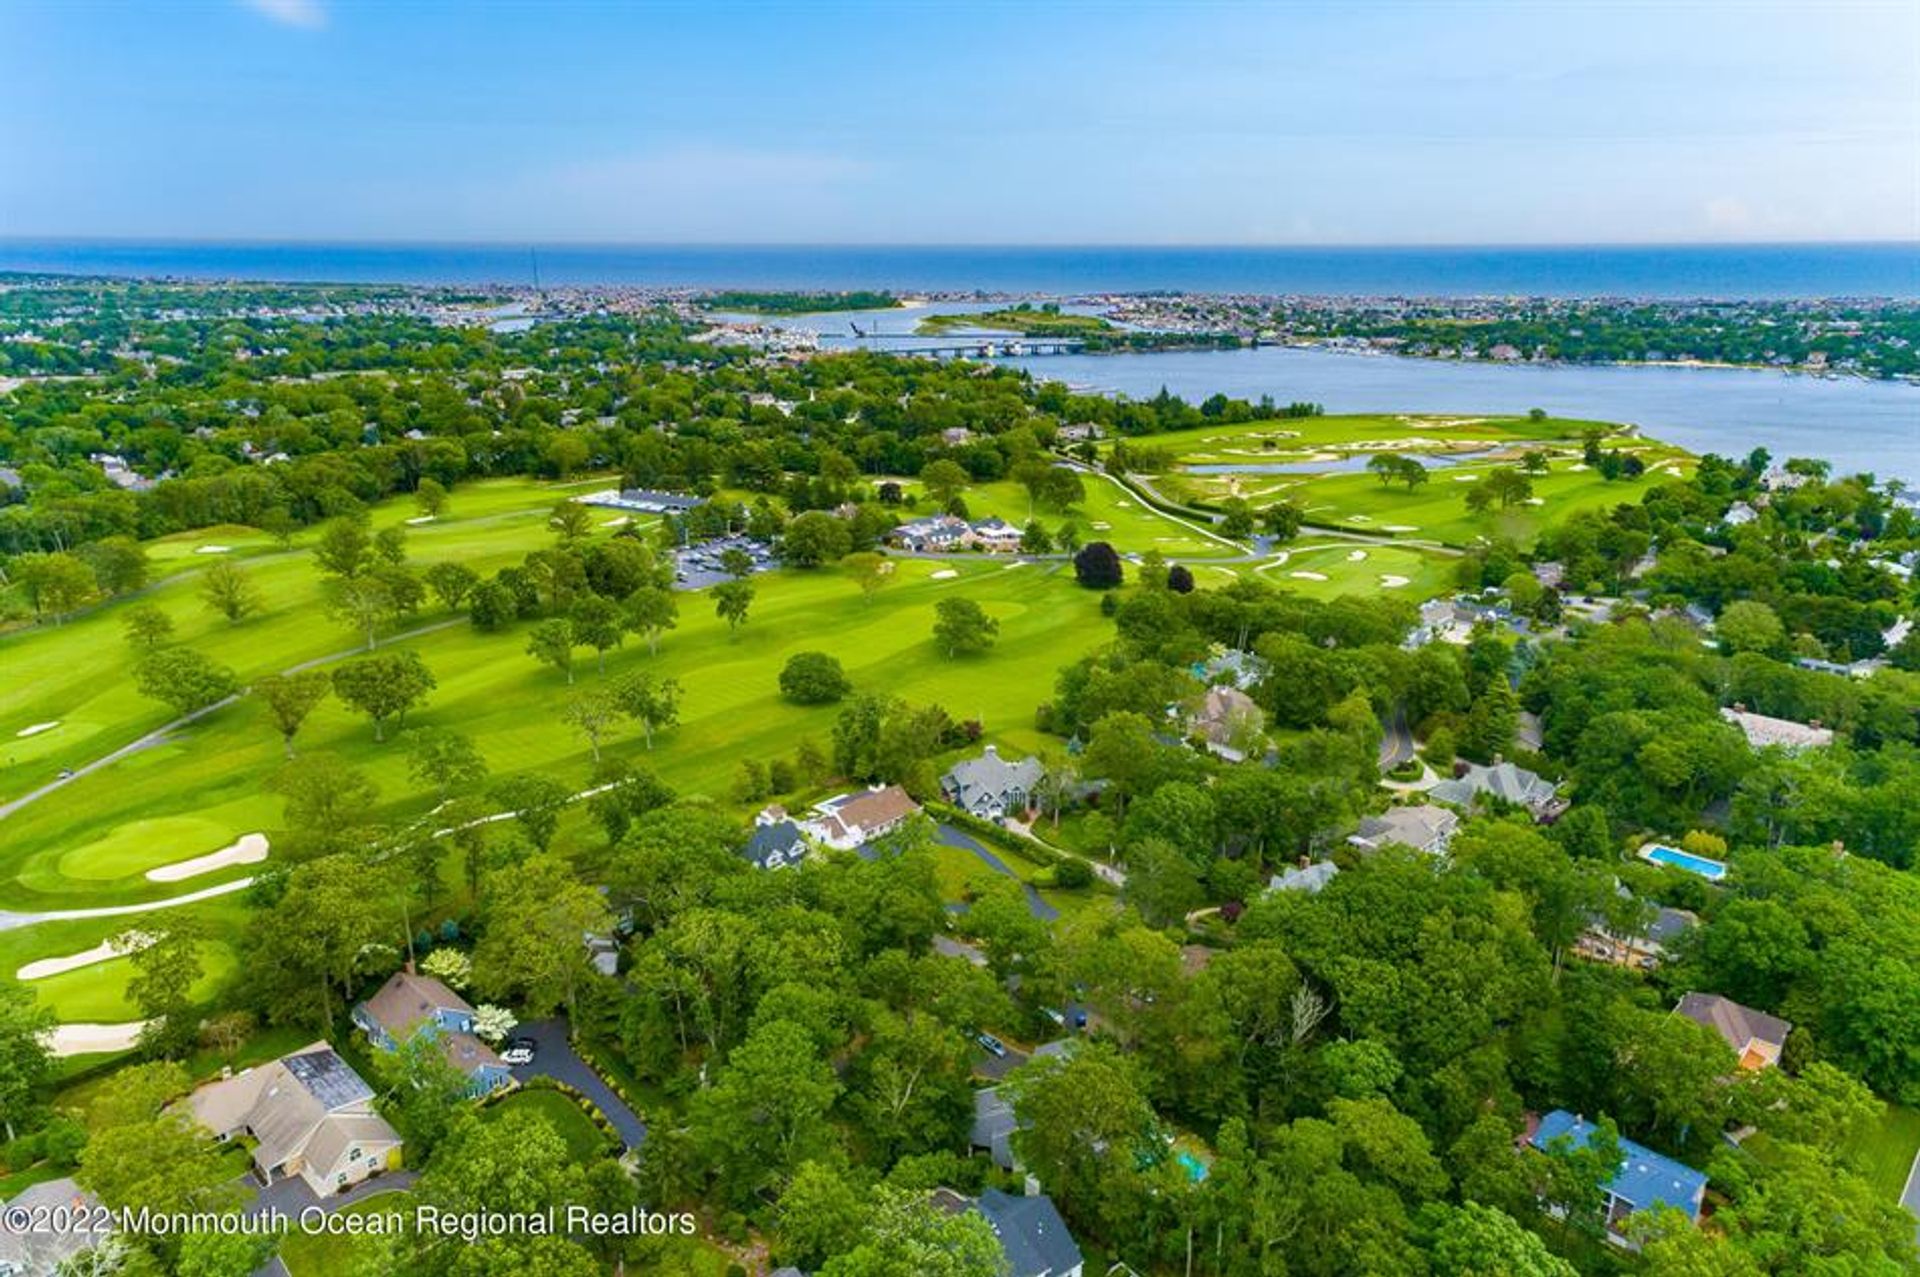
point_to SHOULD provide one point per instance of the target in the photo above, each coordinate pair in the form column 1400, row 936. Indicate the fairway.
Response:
column 142, row 845
column 1319, row 463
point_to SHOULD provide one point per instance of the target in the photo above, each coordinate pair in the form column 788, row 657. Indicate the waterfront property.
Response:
column 309, row 1114
column 410, row 1003
column 1645, row 1179
column 1660, row 853
column 1756, row 1037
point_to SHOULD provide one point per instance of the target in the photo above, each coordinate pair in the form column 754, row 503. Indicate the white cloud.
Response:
column 309, row 15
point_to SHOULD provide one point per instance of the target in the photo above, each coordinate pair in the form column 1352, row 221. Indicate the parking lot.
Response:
column 698, row 566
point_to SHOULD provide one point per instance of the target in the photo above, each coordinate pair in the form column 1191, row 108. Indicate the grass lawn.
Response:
column 326, row 1254
column 1107, row 513
column 1885, row 1154
column 1324, row 570
column 585, row 1141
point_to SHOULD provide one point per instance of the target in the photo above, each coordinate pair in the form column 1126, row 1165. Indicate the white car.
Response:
column 518, row 1052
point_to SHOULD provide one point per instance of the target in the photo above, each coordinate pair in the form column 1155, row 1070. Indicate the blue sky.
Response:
column 972, row 123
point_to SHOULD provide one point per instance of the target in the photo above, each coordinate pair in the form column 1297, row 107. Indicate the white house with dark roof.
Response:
column 845, row 821
column 309, row 1114
column 776, row 840
column 990, row 787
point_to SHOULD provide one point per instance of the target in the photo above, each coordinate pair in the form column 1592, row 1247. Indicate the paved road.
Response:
column 9, row 921
column 956, row 838
column 1396, row 743
column 555, row 1057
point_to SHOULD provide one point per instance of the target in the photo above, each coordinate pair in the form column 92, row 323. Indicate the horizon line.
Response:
column 954, row 245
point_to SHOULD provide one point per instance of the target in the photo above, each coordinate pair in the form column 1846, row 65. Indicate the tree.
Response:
column 736, row 562
column 421, row 1092
column 119, row 564
column 390, row 546
column 943, row 480
column 289, row 698
column 551, row 643
column 166, row 966
column 324, row 794
column 1097, row 566
column 56, row 584
column 813, row 678
column 819, row 1215
column 652, row 702
column 443, row 758
column 24, row 1061
column 593, row 714
column 384, row 686
column 1180, row 579
column 530, row 949
column 766, row 1112
column 278, row 522
column 1472, row 1240
column 814, row 538
column 570, row 522
column 1503, row 487
column 906, row 1233
column 228, row 591
column 731, row 599
column 344, row 548
column 596, row 624
column 652, row 610
column 1282, row 520
column 869, row 571
column 963, row 626
column 183, row 679
column 535, row 802
column 147, row 627
column 1747, row 625
column 362, row 602
column 431, row 497
column 1236, row 518
column 452, row 583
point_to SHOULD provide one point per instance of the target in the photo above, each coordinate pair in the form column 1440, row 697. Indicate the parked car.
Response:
column 993, row 1045
column 519, row 1051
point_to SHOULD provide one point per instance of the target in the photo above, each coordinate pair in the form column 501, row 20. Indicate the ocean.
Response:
column 1655, row 271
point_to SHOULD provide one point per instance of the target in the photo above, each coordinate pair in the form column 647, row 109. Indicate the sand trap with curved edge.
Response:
column 1355, row 556
column 37, row 728
column 1391, row 582
column 248, row 849
column 88, row 1039
column 1309, row 576
column 105, row 951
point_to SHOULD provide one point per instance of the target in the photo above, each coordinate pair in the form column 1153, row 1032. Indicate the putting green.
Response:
column 142, row 845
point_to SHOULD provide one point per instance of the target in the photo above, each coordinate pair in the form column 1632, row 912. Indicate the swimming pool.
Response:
column 1661, row 854
column 1195, row 1168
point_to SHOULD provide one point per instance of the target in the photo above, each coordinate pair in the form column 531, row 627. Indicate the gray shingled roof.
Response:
column 1032, row 1235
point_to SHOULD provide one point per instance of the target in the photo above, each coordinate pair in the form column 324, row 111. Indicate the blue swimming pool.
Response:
column 1195, row 1168
column 1661, row 854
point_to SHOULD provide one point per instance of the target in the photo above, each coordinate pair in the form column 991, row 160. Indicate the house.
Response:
column 937, row 534
column 1641, row 951
column 956, row 436
column 1424, row 828
column 996, row 536
column 990, row 787
column 1230, row 667
column 1227, row 719
column 1077, row 432
column 1739, row 514
column 1645, row 1178
column 1762, row 731
column 603, row 953
column 308, row 1113
column 845, row 821
column 993, row 1127
column 1308, row 876
column 1032, row 1236
column 1756, row 1037
column 64, row 1221
column 776, row 841
column 410, row 1003
column 1502, row 781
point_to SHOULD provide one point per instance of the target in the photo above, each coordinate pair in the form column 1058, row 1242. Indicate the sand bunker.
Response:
column 1356, row 556
column 1466, row 478
column 213, row 549
column 37, row 728
column 1309, row 576
column 620, row 522
column 1390, row 582
column 943, row 574
column 86, row 1039
column 1536, row 500
column 1400, row 527
column 247, row 850
column 1101, row 527
column 419, row 519
column 105, row 951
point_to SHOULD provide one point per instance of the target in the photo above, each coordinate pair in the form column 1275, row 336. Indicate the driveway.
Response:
column 291, row 1195
column 555, row 1057
column 952, row 837
column 1396, row 742
column 1911, row 1197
